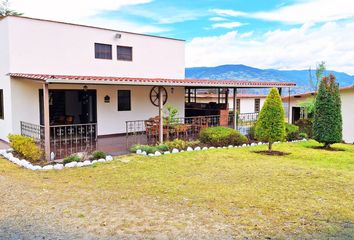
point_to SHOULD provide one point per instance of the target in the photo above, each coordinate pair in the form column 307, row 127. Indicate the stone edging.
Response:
column 190, row 149
column 26, row 164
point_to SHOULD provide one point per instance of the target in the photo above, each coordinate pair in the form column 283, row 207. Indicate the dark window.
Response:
column 257, row 103
column 1, row 104
column 124, row 100
column 238, row 105
column 103, row 51
column 124, row 53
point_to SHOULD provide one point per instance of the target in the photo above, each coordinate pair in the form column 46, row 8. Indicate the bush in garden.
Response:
column 72, row 158
column 303, row 135
column 177, row 143
column 163, row 147
column 292, row 132
column 145, row 148
column 221, row 136
column 270, row 126
column 305, row 125
column 327, row 125
column 98, row 155
column 26, row 147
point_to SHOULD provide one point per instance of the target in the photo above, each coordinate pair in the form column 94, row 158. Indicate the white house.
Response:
column 347, row 99
column 68, row 85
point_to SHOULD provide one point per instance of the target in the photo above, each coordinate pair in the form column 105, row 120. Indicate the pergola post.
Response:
column 235, row 108
column 161, row 115
column 46, row 121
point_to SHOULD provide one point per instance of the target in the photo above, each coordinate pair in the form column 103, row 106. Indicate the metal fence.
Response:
column 187, row 128
column 64, row 139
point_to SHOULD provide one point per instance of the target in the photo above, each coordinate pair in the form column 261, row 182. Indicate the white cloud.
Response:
column 228, row 12
column 228, row 25
column 246, row 35
column 217, row 19
column 312, row 11
column 296, row 48
column 84, row 12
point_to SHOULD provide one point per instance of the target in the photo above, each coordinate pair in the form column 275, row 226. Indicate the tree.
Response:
column 320, row 70
column 327, row 125
column 270, row 126
column 6, row 11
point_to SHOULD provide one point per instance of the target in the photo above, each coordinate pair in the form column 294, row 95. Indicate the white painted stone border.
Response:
column 190, row 149
column 7, row 154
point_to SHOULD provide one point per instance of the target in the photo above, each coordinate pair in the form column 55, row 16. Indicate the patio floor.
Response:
column 117, row 144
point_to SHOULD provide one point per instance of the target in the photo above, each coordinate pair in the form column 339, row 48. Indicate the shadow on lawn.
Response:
column 272, row 153
column 331, row 149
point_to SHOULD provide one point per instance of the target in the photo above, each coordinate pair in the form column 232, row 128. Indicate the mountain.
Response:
column 242, row 72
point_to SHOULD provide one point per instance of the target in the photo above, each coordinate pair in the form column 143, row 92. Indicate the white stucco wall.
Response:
column 55, row 48
column 6, row 123
column 347, row 97
column 109, row 119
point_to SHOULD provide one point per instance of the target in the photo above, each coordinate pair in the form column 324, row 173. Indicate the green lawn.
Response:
column 220, row 192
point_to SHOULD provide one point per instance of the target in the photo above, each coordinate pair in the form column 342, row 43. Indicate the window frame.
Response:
column 119, row 107
column 103, row 44
column 123, row 59
column 257, row 105
column 2, row 114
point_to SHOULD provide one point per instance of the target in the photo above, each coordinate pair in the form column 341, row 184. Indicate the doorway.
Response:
column 296, row 114
column 70, row 107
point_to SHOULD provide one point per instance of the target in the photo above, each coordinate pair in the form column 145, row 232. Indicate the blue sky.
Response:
column 281, row 34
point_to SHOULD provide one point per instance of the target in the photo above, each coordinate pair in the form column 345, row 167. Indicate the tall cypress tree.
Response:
column 327, row 126
column 270, row 126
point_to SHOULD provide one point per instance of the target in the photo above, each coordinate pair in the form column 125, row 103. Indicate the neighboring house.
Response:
column 77, row 88
column 245, row 103
column 347, row 98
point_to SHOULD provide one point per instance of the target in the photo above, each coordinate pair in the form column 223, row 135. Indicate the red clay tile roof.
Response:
column 149, row 81
column 313, row 93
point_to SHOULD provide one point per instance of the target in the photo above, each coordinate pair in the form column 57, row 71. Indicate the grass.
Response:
column 307, row 194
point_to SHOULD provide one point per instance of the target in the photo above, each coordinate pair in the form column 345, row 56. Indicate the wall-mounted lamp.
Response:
column 107, row 99
column 172, row 90
column 85, row 88
column 118, row 36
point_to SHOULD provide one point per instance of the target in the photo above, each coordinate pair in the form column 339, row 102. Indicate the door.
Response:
column 296, row 113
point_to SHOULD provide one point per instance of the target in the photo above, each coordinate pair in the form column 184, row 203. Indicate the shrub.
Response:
column 177, row 143
column 162, row 147
column 270, row 126
column 26, row 147
column 292, row 132
column 221, row 136
column 327, row 125
column 148, row 149
column 192, row 143
column 252, row 133
column 72, row 158
column 305, row 126
column 98, row 155
column 303, row 135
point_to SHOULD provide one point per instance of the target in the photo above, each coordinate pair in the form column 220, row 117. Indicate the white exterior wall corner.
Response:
column 42, row 47
column 347, row 98
column 5, row 83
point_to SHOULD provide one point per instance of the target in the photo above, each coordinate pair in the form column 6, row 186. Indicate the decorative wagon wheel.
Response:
column 154, row 95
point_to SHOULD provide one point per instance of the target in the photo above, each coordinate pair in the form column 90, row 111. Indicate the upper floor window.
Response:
column 1, row 104
column 124, row 53
column 257, row 104
column 103, row 51
column 124, row 100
